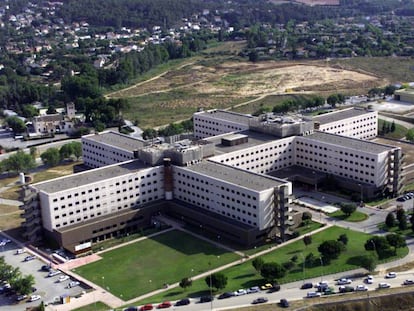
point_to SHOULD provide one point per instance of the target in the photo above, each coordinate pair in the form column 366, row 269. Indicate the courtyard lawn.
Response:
column 141, row 267
column 98, row 306
column 354, row 217
column 244, row 275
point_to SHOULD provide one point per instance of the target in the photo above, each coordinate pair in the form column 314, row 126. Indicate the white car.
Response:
column 409, row 282
column 20, row 251
column 254, row 289
column 361, row 288
column 369, row 279
column 63, row 278
column 73, row 284
column 384, row 285
column 391, row 275
column 53, row 273
column 344, row 281
column 35, row 297
column 240, row 292
column 313, row 294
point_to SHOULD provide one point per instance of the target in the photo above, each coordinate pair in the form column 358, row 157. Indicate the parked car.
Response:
column 164, row 305
column 183, row 302
column 226, row 295
column 35, row 297
column 254, row 289
column 343, row 281
column 131, row 309
column 383, row 285
column 73, row 284
column 391, row 275
column 53, row 272
column 284, row 303
column 19, row 251
column 147, row 307
column 329, row 291
column 63, row 278
column 306, row 286
column 260, row 300
column 408, row 282
column 240, row 292
column 313, row 294
column 361, row 288
column 204, row 299
column 275, row 288
column 266, row 286
column 30, row 257
column 46, row 268
column 346, row 289
column 369, row 279
column 21, row 297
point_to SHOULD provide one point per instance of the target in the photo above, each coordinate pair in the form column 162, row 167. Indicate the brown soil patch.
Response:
column 252, row 79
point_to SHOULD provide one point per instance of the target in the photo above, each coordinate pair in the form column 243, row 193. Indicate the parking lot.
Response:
column 49, row 288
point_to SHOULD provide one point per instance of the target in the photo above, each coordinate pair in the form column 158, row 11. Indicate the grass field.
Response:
column 244, row 275
column 145, row 266
column 354, row 217
column 98, row 306
column 400, row 131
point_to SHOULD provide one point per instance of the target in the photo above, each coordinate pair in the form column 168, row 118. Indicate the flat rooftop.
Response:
column 236, row 176
column 117, row 140
column 339, row 115
column 90, row 177
column 254, row 139
column 348, row 142
column 228, row 116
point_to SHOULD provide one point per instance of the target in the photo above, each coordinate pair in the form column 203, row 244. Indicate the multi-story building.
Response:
column 219, row 183
column 108, row 148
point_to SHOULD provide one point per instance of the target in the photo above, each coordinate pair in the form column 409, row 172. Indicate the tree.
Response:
column 348, row 208
column 400, row 213
column 33, row 152
column 402, row 224
column 343, row 238
column 330, row 249
column 306, row 218
column 307, row 239
column 16, row 124
column 23, row 285
column 368, row 262
column 18, row 162
column 257, row 263
column 51, row 157
column 65, row 151
column 393, row 126
column 396, row 240
column 76, row 149
column 186, row 282
column 271, row 271
column 218, row 280
column 410, row 135
column 149, row 133
column 390, row 220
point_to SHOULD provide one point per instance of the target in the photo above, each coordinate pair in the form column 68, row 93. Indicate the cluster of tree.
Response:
column 381, row 91
column 385, row 246
column 22, row 284
column 387, row 127
column 16, row 124
column 270, row 271
column 335, row 99
column 299, row 103
column 53, row 156
column 410, row 135
column 170, row 130
column 18, row 162
column 400, row 219
column 216, row 280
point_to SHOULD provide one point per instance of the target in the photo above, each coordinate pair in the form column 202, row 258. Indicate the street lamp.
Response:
column 320, row 258
column 103, row 283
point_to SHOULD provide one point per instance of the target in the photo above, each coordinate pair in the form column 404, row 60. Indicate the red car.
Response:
column 146, row 307
column 164, row 305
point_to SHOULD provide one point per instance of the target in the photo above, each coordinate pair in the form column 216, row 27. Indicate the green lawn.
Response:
column 98, row 306
column 354, row 217
column 147, row 265
column 243, row 275
column 400, row 131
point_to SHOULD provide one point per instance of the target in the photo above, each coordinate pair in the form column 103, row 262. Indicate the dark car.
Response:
column 260, row 300
column 306, row 286
column 183, row 302
column 275, row 288
column 284, row 303
column 226, row 295
column 46, row 268
column 346, row 289
column 206, row 299
column 131, row 309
